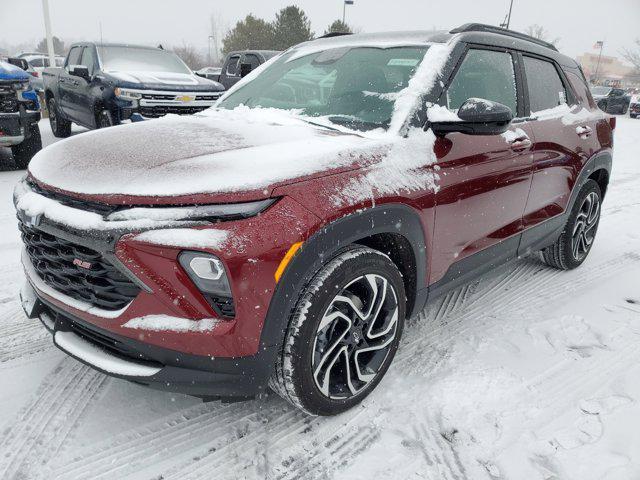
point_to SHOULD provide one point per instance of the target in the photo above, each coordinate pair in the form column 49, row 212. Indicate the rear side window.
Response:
column 252, row 60
column 74, row 56
column 232, row 68
column 546, row 89
column 484, row 74
column 580, row 88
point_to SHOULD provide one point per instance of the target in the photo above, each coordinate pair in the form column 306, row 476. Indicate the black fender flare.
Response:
column 323, row 245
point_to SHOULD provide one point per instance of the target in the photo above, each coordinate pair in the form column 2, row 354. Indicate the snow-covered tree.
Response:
column 250, row 33
column 338, row 26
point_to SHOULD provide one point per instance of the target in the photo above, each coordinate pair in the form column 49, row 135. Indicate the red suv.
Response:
column 282, row 238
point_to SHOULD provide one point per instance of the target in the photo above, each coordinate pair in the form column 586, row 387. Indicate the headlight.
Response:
column 207, row 272
column 212, row 213
column 127, row 94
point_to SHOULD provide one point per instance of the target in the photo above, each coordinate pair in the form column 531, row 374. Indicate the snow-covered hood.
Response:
column 163, row 80
column 243, row 153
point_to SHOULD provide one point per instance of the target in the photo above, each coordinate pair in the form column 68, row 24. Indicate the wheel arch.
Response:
column 393, row 229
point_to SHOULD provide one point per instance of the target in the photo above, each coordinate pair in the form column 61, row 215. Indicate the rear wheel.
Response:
column 343, row 333
column 24, row 152
column 576, row 240
column 60, row 127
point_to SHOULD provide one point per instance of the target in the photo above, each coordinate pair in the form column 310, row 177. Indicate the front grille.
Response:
column 89, row 206
column 162, row 110
column 200, row 98
column 8, row 103
column 98, row 283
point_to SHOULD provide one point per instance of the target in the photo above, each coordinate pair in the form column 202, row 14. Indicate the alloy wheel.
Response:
column 584, row 230
column 355, row 336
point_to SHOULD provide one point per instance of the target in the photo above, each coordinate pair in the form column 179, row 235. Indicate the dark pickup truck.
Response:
column 105, row 84
column 238, row 64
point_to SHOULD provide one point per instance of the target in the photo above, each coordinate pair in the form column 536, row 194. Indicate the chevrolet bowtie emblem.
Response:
column 186, row 98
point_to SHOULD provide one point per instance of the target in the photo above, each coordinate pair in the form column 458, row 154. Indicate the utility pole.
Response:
column 344, row 9
column 598, row 64
column 47, row 29
column 209, row 45
column 509, row 16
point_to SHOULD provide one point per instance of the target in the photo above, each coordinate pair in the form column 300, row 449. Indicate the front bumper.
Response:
column 14, row 126
column 155, row 104
column 142, row 363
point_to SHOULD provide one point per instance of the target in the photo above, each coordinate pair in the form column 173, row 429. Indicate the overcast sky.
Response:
column 578, row 23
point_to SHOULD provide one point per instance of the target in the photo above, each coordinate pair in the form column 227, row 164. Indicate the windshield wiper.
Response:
column 348, row 120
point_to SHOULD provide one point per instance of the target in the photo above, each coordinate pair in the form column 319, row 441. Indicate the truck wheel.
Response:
column 576, row 240
column 60, row 127
column 105, row 119
column 24, row 152
column 343, row 333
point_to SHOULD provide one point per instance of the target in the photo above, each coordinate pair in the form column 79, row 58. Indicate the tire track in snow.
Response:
column 235, row 449
column 21, row 337
column 40, row 429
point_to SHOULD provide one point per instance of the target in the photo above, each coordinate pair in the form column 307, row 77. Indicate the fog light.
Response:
column 207, row 268
column 207, row 272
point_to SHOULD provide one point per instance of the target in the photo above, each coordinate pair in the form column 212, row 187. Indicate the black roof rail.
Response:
column 481, row 27
column 335, row 34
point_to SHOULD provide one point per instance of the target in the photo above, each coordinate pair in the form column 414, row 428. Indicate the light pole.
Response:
column 47, row 29
column 344, row 10
column 209, row 44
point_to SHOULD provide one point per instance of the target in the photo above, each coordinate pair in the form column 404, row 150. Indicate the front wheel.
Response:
column 60, row 127
column 343, row 333
column 576, row 240
column 24, row 152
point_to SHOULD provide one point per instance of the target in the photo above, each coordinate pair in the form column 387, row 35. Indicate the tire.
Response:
column 24, row 152
column 633, row 115
column 575, row 241
column 309, row 347
column 60, row 127
column 104, row 119
column 625, row 108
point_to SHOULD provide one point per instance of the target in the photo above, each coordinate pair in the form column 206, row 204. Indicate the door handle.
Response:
column 520, row 144
column 584, row 131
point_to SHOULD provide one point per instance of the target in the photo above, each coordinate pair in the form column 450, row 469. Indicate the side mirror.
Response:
column 476, row 116
column 80, row 71
column 19, row 62
column 245, row 69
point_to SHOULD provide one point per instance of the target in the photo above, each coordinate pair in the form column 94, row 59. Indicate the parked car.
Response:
column 634, row 106
column 19, row 113
column 611, row 100
column 102, row 85
column 238, row 64
column 283, row 237
column 210, row 73
column 37, row 64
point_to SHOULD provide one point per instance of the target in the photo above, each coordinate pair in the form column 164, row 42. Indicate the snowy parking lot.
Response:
column 527, row 373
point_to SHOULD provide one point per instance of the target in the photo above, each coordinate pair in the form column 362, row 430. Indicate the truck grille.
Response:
column 162, row 110
column 95, row 281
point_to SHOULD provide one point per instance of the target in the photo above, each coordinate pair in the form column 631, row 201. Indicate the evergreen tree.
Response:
column 58, row 46
column 250, row 33
column 338, row 27
column 291, row 27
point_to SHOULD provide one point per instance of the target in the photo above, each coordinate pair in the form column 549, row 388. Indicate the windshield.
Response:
column 353, row 87
column 600, row 90
column 132, row 59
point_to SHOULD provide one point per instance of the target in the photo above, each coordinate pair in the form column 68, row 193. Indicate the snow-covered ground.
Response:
column 528, row 373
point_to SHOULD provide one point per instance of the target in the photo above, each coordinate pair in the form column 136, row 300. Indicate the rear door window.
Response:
column 546, row 89
column 486, row 74
column 233, row 67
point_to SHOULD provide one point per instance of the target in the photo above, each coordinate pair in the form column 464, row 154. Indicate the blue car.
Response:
column 19, row 112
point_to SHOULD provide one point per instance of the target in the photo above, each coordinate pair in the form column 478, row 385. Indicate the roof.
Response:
column 125, row 45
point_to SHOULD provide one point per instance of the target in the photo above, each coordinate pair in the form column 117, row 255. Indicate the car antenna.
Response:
column 160, row 46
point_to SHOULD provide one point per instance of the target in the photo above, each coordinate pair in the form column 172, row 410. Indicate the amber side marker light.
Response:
column 286, row 259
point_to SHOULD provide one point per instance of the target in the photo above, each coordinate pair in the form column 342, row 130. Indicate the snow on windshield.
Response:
column 132, row 59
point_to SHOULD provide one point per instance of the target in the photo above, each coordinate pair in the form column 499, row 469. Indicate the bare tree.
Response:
column 539, row 32
column 633, row 56
column 190, row 56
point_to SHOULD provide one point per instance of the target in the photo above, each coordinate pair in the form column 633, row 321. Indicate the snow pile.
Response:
column 166, row 323
column 513, row 135
column 186, row 237
column 568, row 115
column 439, row 113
